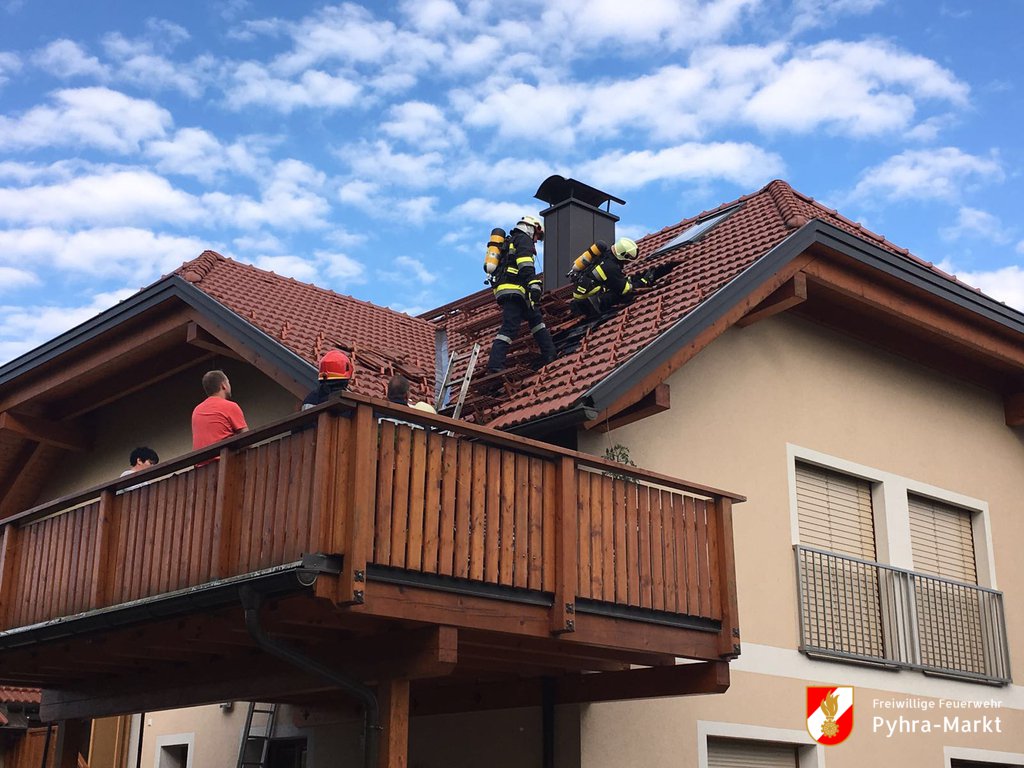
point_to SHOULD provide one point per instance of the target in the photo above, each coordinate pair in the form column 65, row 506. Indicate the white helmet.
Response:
column 534, row 222
column 624, row 249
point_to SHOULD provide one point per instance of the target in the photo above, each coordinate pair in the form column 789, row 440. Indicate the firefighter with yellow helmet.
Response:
column 600, row 280
column 511, row 264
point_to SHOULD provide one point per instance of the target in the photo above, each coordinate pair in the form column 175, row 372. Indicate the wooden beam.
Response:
column 58, row 434
column 359, row 524
column 393, row 697
column 27, row 483
column 1013, row 405
column 101, row 355
column 563, row 610
column 785, row 297
column 939, row 319
column 657, row 400
column 9, row 585
column 433, row 698
column 197, row 337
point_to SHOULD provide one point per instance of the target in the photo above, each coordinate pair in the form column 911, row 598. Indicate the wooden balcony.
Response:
column 425, row 549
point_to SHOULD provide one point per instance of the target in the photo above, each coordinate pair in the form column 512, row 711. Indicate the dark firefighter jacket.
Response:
column 518, row 270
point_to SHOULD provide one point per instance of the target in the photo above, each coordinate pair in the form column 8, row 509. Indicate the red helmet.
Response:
column 335, row 365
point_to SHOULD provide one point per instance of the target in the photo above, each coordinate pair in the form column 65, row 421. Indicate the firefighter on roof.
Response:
column 600, row 280
column 517, row 288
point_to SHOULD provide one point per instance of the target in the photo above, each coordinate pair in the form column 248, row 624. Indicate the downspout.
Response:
column 547, row 717
column 371, row 718
column 46, row 744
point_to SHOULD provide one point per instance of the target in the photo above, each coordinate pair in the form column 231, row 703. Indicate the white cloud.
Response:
column 860, row 89
column 510, row 173
column 95, row 117
column 65, row 59
column 379, row 161
column 407, row 266
column 290, row 200
column 340, row 266
column 23, row 328
column 127, row 253
column 115, row 197
column 926, row 174
column 9, row 64
column 422, row 124
column 492, row 212
column 822, row 13
column 740, row 163
column 1005, row 284
column 972, row 222
column 257, row 242
column 139, row 62
column 254, row 85
column 196, row 152
column 432, row 16
column 12, row 278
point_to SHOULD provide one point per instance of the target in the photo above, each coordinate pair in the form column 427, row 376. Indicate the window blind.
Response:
column 738, row 753
column 834, row 512
column 942, row 540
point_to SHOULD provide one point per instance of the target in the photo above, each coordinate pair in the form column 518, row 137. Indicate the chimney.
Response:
column 573, row 221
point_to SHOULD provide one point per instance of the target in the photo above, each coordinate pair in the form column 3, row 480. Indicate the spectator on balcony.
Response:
column 217, row 417
column 335, row 374
column 142, row 457
column 398, row 389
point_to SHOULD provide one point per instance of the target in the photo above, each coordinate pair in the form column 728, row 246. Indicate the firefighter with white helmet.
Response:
column 600, row 279
column 511, row 264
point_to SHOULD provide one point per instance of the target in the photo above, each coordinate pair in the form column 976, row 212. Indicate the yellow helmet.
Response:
column 534, row 222
column 624, row 249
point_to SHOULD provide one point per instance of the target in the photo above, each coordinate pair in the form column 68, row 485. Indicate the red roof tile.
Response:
column 15, row 694
column 310, row 321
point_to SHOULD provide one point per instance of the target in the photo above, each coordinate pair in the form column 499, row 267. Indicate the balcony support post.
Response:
column 104, row 565
column 393, row 697
column 227, row 525
column 8, row 585
column 359, row 524
column 563, row 612
column 729, row 640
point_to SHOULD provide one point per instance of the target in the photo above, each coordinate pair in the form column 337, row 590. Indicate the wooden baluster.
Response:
column 104, row 565
column 227, row 522
column 563, row 613
column 729, row 640
column 321, row 513
column 8, row 582
column 362, row 483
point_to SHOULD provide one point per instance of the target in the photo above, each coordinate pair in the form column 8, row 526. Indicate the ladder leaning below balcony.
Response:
column 256, row 735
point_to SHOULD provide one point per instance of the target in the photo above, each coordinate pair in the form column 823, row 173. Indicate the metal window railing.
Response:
column 865, row 611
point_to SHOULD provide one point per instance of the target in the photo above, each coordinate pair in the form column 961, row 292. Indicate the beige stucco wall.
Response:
column 160, row 417
column 215, row 734
column 735, row 407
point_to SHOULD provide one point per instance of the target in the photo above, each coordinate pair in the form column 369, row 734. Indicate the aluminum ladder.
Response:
column 256, row 735
column 467, row 377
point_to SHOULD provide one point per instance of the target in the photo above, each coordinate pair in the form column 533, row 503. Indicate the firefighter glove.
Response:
column 647, row 279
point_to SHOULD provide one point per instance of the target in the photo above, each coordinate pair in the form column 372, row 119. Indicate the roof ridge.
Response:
column 782, row 194
column 194, row 271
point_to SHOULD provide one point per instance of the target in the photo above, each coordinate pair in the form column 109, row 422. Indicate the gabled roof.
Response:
column 309, row 321
column 765, row 231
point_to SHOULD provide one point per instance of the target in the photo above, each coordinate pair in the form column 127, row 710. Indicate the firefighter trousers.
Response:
column 514, row 310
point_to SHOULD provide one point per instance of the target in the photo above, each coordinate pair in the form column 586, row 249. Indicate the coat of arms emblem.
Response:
column 829, row 713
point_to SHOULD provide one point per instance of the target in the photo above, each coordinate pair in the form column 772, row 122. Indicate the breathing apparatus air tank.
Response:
column 495, row 246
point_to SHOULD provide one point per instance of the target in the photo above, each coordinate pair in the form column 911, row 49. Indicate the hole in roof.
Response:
column 695, row 231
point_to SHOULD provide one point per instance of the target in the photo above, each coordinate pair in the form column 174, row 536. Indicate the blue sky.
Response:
column 370, row 148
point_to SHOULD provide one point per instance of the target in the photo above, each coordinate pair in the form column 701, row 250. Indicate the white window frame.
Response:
column 980, row 756
column 177, row 740
column 891, row 510
column 809, row 752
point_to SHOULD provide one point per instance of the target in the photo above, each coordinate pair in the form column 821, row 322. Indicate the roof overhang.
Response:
column 631, row 381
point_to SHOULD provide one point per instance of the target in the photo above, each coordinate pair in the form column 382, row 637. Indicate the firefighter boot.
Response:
column 547, row 346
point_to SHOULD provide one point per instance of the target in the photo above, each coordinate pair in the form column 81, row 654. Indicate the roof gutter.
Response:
column 582, row 410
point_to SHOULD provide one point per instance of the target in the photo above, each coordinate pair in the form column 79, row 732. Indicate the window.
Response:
column 923, row 611
column 173, row 756
column 835, row 512
column 743, row 753
column 694, row 232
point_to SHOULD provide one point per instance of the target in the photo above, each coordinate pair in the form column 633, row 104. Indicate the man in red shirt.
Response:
column 217, row 417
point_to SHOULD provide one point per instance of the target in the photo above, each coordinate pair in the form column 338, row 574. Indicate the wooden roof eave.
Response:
column 630, row 383
column 253, row 345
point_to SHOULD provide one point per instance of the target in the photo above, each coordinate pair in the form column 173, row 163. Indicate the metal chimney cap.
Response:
column 557, row 189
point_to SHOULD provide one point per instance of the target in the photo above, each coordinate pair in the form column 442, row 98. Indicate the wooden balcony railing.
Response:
column 437, row 499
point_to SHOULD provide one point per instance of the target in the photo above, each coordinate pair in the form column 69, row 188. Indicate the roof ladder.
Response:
column 467, row 377
column 256, row 735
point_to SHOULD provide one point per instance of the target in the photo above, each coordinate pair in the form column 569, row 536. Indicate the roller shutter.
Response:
column 942, row 540
column 739, row 753
column 834, row 512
